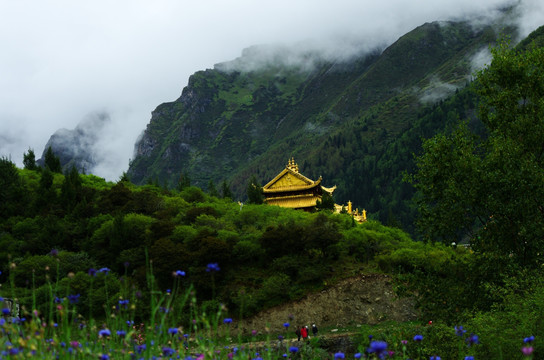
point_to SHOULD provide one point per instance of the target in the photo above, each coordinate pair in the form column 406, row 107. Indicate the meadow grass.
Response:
column 178, row 327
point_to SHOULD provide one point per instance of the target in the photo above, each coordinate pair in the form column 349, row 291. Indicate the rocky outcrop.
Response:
column 365, row 299
column 77, row 147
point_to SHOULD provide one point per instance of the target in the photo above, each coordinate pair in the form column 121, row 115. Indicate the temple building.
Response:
column 293, row 190
column 360, row 217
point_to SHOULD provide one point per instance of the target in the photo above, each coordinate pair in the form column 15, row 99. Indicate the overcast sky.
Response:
column 62, row 60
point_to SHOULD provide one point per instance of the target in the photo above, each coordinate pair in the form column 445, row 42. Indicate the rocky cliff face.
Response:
column 77, row 147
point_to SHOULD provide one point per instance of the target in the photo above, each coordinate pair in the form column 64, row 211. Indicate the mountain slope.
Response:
column 337, row 118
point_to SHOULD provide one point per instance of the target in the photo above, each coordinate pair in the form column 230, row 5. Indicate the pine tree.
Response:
column 29, row 160
column 52, row 161
column 212, row 190
column 254, row 191
column 225, row 190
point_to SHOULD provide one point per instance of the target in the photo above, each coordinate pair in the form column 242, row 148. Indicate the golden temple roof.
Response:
column 289, row 179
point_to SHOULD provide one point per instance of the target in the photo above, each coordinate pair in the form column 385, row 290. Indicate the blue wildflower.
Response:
column 286, row 325
column 104, row 270
column 5, row 311
column 104, row 333
column 357, row 355
column 293, row 349
column 418, row 338
column 435, row 358
column 173, row 331
column 104, row 357
column 121, row 333
column 280, row 337
column 529, row 339
column 179, row 273
column 473, row 339
column 469, row 357
column 73, row 298
column 54, row 252
column 92, row 272
column 227, row 320
column 166, row 351
column 378, row 347
column 459, row 331
column 123, row 303
column 339, row 355
column 212, row 267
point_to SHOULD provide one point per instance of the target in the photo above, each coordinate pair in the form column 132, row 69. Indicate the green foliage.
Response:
column 254, row 191
column 326, row 202
column 51, row 161
column 12, row 192
column 487, row 189
column 29, row 160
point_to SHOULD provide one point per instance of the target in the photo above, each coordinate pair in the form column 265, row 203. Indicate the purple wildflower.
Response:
column 527, row 350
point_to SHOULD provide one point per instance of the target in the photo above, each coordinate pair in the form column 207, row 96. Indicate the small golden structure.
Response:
column 357, row 216
column 291, row 189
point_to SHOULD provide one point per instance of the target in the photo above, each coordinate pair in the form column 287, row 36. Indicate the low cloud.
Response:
column 65, row 59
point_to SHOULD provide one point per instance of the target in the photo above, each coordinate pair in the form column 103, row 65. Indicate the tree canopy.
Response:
column 488, row 188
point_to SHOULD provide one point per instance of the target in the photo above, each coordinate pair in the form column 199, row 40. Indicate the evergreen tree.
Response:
column 29, row 160
column 183, row 182
column 70, row 189
column 11, row 189
column 326, row 203
column 254, row 191
column 52, row 161
column 225, row 190
column 124, row 177
column 212, row 190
